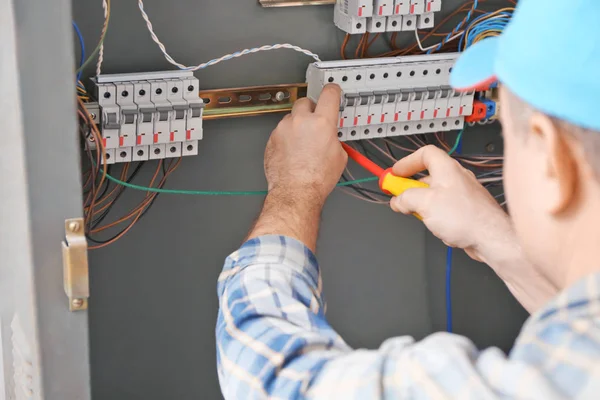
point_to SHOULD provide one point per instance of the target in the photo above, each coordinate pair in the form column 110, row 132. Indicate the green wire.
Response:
column 215, row 193
column 457, row 143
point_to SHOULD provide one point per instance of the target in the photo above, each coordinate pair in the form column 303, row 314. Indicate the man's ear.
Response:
column 560, row 169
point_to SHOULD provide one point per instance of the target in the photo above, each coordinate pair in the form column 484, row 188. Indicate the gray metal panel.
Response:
column 41, row 187
column 153, row 305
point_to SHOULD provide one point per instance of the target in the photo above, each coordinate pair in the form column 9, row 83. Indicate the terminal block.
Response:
column 360, row 16
column 393, row 96
column 147, row 116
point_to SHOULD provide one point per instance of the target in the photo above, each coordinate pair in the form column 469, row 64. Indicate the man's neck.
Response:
column 581, row 255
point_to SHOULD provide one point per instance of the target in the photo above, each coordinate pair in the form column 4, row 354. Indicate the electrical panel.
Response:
column 146, row 116
column 393, row 96
column 376, row 16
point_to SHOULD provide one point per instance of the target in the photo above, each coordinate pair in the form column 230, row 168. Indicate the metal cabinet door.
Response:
column 44, row 346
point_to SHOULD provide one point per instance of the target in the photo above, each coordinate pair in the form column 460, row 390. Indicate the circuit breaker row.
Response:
column 393, row 96
column 360, row 16
column 149, row 116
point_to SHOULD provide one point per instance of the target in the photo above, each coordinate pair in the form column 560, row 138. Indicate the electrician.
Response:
column 273, row 340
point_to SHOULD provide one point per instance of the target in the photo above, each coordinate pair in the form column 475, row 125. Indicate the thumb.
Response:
column 411, row 201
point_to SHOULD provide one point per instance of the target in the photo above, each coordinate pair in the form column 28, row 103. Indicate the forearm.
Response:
column 291, row 213
column 505, row 256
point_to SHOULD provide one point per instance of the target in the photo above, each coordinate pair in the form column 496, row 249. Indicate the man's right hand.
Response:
column 455, row 207
column 460, row 211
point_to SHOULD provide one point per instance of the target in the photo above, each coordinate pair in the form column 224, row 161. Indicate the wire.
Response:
column 457, row 143
column 101, row 51
column 455, row 30
column 449, row 322
column 81, row 46
column 102, row 36
column 221, row 59
column 216, row 193
column 458, row 35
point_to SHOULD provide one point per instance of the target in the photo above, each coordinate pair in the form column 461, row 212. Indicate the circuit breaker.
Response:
column 360, row 16
column 393, row 96
column 147, row 116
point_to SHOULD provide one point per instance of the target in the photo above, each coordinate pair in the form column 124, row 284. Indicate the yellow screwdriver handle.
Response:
column 396, row 185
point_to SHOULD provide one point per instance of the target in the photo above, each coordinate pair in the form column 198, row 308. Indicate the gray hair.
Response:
column 589, row 139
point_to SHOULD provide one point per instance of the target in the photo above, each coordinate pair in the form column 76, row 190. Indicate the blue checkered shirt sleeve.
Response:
column 273, row 341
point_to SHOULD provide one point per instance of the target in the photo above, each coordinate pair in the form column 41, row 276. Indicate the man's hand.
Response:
column 462, row 213
column 304, row 156
column 303, row 162
column 456, row 208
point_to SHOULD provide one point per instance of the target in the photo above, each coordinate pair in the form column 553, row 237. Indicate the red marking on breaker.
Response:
column 360, row 9
column 104, row 142
column 369, row 118
column 412, row 8
column 396, row 116
column 422, row 114
column 341, row 122
column 382, row 118
column 188, row 135
column 462, row 109
column 448, row 113
column 429, row 6
column 156, row 138
column 409, row 115
column 121, row 141
column 435, row 113
column 172, row 136
column 355, row 121
column 398, row 9
column 380, row 10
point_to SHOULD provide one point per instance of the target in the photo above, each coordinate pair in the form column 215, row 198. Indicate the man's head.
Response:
column 552, row 183
column 547, row 62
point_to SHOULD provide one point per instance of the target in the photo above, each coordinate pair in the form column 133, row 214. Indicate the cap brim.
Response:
column 475, row 67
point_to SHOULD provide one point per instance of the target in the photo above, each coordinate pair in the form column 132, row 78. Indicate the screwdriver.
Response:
column 388, row 182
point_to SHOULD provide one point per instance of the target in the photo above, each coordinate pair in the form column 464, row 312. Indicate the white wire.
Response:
column 217, row 60
column 459, row 34
column 101, row 52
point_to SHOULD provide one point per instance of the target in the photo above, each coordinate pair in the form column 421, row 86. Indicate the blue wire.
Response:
column 447, row 38
column 449, row 253
column 82, row 45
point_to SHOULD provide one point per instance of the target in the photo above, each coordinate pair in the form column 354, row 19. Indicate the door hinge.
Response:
column 75, row 265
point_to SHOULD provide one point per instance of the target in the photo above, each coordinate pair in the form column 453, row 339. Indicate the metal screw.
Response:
column 77, row 303
column 73, row 226
column 93, row 116
column 92, row 139
column 279, row 96
column 490, row 147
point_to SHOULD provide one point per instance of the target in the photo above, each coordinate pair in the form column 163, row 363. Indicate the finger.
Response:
column 426, row 180
column 411, row 201
column 430, row 158
column 328, row 105
column 303, row 106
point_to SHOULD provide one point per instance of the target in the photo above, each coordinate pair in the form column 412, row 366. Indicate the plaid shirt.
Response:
column 273, row 341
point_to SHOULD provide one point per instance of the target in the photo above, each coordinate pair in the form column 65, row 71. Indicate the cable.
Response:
column 102, row 36
column 216, row 193
column 82, row 47
column 449, row 323
column 458, row 35
column 221, row 59
column 455, row 30
column 457, row 143
column 101, row 51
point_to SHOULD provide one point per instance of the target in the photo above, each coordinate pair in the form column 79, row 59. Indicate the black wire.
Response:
column 146, row 209
column 101, row 218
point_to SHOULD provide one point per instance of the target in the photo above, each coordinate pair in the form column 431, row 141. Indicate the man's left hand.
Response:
column 304, row 157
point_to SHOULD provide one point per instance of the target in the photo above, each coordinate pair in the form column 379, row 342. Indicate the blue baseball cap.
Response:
column 548, row 55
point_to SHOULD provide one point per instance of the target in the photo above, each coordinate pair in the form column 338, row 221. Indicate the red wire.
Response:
column 363, row 161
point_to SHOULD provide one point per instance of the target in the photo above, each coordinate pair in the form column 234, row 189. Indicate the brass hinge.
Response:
column 248, row 101
column 293, row 3
column 75, row 265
